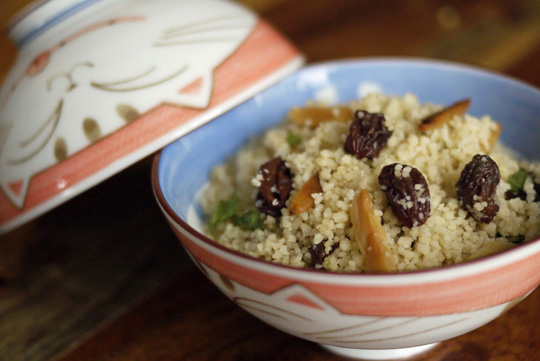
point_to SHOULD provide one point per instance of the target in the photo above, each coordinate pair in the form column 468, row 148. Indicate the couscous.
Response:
column 381, row 184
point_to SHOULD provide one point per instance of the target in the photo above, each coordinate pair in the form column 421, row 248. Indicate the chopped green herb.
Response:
column 249, row 220
column 224, row 210
column 293, row 139
column 228, row 209
column 517, row 180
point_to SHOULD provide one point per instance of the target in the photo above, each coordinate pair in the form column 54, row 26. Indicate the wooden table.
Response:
column 103, row 278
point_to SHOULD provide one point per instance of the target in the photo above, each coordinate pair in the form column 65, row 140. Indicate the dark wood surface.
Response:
column 103, row 278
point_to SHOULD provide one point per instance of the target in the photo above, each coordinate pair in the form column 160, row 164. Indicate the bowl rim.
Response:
column 464, row 269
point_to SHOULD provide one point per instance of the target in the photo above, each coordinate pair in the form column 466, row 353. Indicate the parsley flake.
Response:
column 293, row 139
column 517, row 180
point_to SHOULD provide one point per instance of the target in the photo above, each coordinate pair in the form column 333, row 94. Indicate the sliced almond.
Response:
column 492, row 139
column 303, row 200
column 315, row 115
column 491, row 248
column 444, row 116
column 370, row 235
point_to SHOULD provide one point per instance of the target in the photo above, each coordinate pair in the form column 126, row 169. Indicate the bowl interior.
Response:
column 184, row 165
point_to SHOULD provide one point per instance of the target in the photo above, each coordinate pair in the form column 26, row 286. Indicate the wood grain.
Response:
column 103, row 278
column 492, row 34
column 191, row 320
column 89, row 260
column 7, row 9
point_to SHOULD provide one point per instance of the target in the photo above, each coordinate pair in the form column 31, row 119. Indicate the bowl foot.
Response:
column 391, row 354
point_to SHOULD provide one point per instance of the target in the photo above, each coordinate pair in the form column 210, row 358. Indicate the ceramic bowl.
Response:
column 381, row 316
column 99, row 85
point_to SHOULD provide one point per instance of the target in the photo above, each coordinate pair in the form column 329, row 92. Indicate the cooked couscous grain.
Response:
column 449, row 235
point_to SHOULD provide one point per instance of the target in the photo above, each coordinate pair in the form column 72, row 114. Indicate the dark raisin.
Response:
column 318, row 253
column 407, row 192
column 510, row 194
column 478, row 185
column 275, row 188
column 520, row 193
column 367, row 135
column 516, row 239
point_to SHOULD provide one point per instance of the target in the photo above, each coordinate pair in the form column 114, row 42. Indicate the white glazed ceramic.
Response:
column 100, row 84
column 383, row 316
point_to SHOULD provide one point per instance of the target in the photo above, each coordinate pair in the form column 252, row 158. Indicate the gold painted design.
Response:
column 196, row 41
column 4, row 132
column 192, row 26
column 401, row 336
column 201, row 267
column 247, row 303
column 136, row 77
column 265, row 312
column 341, row 329
column 53, row 118
column 69, row 76
column 60, row 149
column 227, row 282
column 108, row 86
column 370, row 331
column 182, row 32
column 91, row 129
column 33, row 136
column 197, row 28
column 127, row 112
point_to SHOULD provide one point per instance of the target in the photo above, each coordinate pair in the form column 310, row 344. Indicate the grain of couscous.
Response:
column 328, row 193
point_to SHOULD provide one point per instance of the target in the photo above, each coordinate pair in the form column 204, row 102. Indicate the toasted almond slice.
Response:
column 370, row 235
column 491, row 248
column 492, row 138
column 444, row 116
column 315, row 115
column 303, row 200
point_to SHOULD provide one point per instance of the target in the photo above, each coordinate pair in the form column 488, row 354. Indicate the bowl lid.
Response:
column 99, row 85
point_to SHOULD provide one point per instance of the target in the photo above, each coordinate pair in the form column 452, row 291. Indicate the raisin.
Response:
column 477, row 186
column 510, row 194
column 516, row 239
column 275, row 188
column 520, row 193
column 513, row 239
column 407, row 192
column 367, row 135
column 318, row 253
